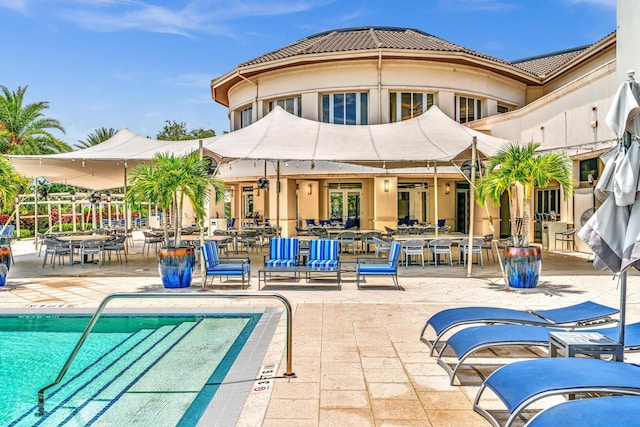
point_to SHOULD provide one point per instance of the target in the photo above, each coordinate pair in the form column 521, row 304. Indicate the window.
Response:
column 588, row 167
column 406, row 105
column 351, row 108
column 468, row 109
column 548, row 200
column 503, row 109
column 246, row 117
column 291, row 105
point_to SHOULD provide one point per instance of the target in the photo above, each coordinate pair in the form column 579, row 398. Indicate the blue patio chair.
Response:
column 373, row 267
column 578, row 315
column 229, row 267
column 325, row 223
column 520, row 384
column 232, row 224
column 468, row 341
column 595, row 412
column 283, row 252
column 324, row 255
column 310, row 222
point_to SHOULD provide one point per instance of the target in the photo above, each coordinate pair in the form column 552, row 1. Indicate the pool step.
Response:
column 81, row 398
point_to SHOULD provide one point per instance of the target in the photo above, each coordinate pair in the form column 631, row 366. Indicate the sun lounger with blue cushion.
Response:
column 579, row 315
column 520, row 384
column 595, row 412
column 466, row 342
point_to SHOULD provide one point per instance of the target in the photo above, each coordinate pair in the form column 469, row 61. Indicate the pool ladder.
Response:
column 100, row 309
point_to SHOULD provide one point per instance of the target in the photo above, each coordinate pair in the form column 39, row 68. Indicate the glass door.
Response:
column 462, row 207
column 345, row 204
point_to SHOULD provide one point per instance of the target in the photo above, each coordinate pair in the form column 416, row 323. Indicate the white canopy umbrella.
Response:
column 101, row 166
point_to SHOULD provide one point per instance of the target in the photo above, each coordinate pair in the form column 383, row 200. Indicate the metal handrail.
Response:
column 289, row 372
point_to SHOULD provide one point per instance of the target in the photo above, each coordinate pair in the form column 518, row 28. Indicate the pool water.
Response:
column 132, row 370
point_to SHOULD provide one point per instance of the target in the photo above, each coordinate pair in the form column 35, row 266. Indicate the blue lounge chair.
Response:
column 520, row 384
column 584, row 314
column 595, row 412
column 373, row 266
column 229, row 267
column 283, row 252
column 468, row 341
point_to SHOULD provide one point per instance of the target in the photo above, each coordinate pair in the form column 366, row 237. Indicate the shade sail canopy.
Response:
column 431, row 137
column 101, row 166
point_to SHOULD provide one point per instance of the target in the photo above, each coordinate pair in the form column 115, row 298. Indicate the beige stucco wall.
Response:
column 309, row 81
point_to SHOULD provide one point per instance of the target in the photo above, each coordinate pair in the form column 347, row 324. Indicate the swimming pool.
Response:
column 143, row 370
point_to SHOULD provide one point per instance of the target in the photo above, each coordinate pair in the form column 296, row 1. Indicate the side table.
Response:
column 589, row 343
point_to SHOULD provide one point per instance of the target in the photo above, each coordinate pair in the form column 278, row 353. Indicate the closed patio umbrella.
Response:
column 613, row 232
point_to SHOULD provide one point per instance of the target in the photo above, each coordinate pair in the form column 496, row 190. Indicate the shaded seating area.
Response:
column 584, row 314
column 214, row 266
column 520, row 384
column 380, row 267
column 469, row 341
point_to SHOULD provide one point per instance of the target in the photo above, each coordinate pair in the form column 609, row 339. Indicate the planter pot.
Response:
column 522, row 266
column 5, row 263
column 175, row 266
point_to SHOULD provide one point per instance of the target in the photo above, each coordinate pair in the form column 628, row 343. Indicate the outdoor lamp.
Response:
column 309, row 189
column 386, row 185
column 447, row 188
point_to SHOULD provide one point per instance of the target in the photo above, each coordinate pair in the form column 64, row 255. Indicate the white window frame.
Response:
column 358, row 96
column 477, row 108
column 297, row 104
column 246, row 117
column 398, row 96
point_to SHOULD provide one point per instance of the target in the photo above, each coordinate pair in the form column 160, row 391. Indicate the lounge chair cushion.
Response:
column 594, row 412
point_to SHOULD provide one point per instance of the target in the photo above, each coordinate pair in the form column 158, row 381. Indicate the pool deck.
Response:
column 356, row 353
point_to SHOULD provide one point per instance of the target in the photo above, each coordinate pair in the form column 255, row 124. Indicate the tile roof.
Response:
column 543, row 65
column 366, row 38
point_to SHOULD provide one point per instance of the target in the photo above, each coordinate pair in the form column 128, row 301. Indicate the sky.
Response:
column 138, row 63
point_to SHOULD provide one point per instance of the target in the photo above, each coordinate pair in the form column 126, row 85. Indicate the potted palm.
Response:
column 516, row 169
column 169, row 181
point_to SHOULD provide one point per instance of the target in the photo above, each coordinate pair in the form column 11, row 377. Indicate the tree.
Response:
column 12, row 184
column 171, row 179
column 516, row 169
column 174, row 131
column 96, row 137
column 25, row 128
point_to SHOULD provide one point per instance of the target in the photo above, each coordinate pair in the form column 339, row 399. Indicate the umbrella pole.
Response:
column 623, row 308
column 472, row 204
column 435, row 198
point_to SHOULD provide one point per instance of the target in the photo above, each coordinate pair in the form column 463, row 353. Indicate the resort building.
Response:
column 378, row 75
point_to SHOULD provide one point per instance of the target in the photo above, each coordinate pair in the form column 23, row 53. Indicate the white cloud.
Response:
column 476, row 5
column 18, row 5
column 185, row 19
column 604, row 3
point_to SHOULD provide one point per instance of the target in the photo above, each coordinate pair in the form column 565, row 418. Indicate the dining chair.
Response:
column 347, row 238
column 413, row 247
column 93, row 248
column 440, row 247
column 476, row 249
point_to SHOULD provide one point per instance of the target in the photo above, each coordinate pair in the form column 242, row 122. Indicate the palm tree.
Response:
column 171, row 179
column 98, row 136
column 25, row 129
column 516, row 169
column 12, row 184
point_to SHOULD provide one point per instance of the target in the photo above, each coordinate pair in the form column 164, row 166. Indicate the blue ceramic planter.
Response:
column 522, row 266
column 175, row 266
column 5, row 264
